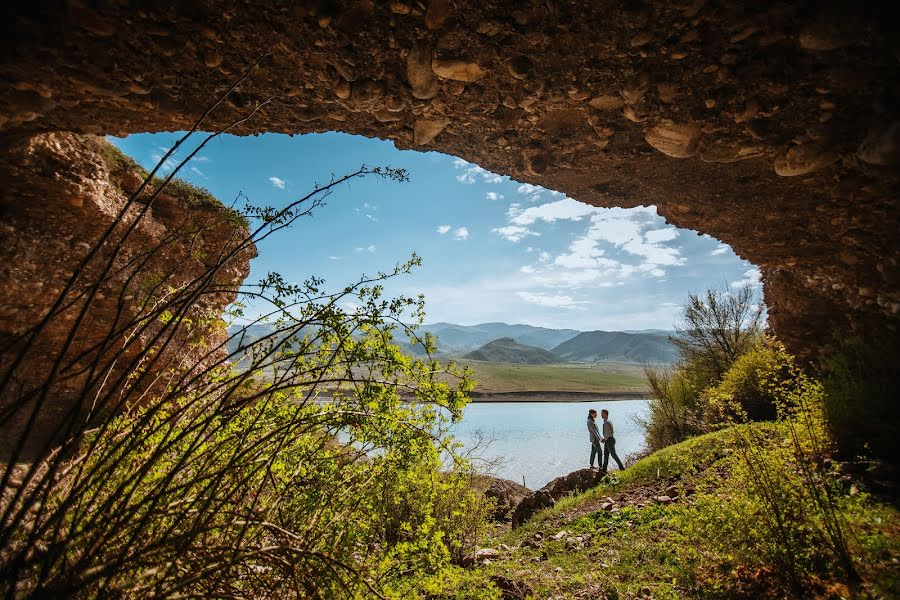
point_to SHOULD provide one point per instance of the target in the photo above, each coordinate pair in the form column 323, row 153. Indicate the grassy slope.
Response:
column 650, row 548
column 611, row 377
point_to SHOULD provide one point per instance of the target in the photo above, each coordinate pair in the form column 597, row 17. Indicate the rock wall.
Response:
column 63, row 192
column 773, row 126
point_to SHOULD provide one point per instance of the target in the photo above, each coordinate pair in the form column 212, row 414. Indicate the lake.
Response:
column 543, row 440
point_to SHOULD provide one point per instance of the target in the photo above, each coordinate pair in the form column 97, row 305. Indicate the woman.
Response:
column 594, row 433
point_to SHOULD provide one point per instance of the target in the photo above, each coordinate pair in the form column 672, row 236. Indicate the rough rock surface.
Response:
column 530, row 504
column 506, row 494
column 62, row 191
column 786, row 112
column 546, row 497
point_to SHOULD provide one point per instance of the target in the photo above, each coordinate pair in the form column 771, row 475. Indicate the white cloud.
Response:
column 442, row 229
column 494, row 196
column 277, row 182
column 532, row 192
column 551, row 300
column 751, row 277
column 661, row 235
column 169, row 163
column 472, row 172
column 527, row 269
column 514, row 233
column 370, row 248
column 720, row 249
column 198, row 172
column 461, row 234
column 372, row 218
column 598, row 256
column 566, row 209
column 204, row 159
column 333, row 257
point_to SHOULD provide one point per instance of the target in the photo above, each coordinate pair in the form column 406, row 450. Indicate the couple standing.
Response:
column 607, row 439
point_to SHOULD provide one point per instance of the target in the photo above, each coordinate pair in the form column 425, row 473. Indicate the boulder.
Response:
column 531, row 504
column 573, row 483
column 506, row 495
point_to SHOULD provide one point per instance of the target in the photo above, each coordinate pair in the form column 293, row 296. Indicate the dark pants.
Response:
column 609, row 449
column 596, row 450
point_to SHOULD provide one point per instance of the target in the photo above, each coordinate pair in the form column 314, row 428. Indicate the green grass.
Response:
column 607, row 377
column 655, row 548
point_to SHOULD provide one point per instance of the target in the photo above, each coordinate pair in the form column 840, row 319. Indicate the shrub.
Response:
column 779, row 507
column 675, row 409
column 745, row 391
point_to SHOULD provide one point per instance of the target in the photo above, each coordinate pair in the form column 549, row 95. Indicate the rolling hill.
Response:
column 604, row 346
column 508, row 350
column 458, row 339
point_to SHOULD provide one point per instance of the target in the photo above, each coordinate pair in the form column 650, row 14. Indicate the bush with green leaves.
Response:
column 715, row 329
column 312, row 461
column 745, row 392
column 780, row 507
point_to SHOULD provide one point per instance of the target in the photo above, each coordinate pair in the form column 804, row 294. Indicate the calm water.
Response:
column 543, row 440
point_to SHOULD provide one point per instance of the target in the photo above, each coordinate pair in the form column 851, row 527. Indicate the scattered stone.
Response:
column 426, row 130
column 607, row 506
column 663, row 499
column 677, row 141
column 803, row 159
column 504, row 548
column 572, row 543
column 560, row 535
column 486, row 554
column 672, row 490
column 458, row 70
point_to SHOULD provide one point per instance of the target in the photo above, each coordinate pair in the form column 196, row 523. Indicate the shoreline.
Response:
column 542, row 396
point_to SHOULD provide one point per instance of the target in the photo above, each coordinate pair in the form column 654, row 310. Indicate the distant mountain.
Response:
column 508, row 350
column 464, row 338
column 602, row 346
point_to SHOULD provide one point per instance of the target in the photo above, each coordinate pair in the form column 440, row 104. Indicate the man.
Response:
column 609, row 441
column 594, row 435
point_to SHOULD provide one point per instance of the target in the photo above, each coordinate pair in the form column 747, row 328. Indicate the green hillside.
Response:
column 603, row 346
column 508, row 350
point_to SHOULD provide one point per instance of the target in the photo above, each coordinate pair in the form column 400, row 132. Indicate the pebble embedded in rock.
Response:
column 425, row 130
column 803, row 159
column 677, row 141
column 419, row 74
column 458, row 70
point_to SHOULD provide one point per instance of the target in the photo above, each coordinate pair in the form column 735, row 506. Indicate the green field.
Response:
column 604, row 377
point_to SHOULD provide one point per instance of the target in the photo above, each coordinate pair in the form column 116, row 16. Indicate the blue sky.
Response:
column 493, row 249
